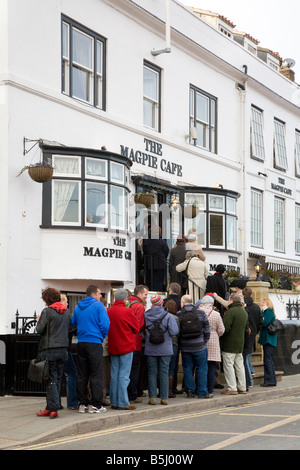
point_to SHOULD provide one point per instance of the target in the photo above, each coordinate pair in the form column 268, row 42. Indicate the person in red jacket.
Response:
column 121, row 344
column 137, row 303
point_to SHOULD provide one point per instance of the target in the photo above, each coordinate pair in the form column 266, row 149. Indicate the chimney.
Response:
column 288, row 73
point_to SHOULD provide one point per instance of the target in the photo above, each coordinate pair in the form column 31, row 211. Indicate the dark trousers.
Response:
column 269, row 369
column 89, row 368
column 56, row 358
column 134, row 376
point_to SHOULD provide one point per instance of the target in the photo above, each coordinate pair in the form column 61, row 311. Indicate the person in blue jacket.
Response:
column 92, row 322
column 269, row 343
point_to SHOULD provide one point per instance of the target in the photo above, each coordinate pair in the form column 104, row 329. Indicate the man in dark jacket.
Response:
column 174, row 294
column 92, row 323
column 218, row 285
column 255, row 323
column 156, row 253
column 177, row 256
column 232, row 344
column 194, row 351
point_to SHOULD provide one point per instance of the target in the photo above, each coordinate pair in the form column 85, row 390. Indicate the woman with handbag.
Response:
column 53, row 327
column 269, row 343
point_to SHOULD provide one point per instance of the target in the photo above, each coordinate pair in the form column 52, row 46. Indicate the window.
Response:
column 257, row 134
column 297, row 151
column 279, row 240
column 297, row 229
column 256, row 218
column 87, row 191
column 280, row 154
column 203, row 108
column 83, row 64
column 151, row 100
column 216, row 222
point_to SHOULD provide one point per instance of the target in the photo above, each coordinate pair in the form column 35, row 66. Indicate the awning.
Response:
column 282, row 264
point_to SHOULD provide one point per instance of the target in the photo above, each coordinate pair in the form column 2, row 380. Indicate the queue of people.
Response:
column 128, row 348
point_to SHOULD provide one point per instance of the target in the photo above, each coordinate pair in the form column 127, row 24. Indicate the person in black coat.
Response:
column 255, row 321
column 217, row 284
column 156, row 253
column 177, row 256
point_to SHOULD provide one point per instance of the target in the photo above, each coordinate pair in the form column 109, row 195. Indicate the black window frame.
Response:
column 211, row 98
column 96, row 37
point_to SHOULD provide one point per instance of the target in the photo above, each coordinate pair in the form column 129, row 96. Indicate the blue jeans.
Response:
column 269, row 369
column 119, row 379
column 71, row 381
column 198, row 360
column 158, row 365
column 57, row 358
column 247, row 365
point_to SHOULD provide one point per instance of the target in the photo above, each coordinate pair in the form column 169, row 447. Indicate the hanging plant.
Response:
column 147, row 199
column 39, row 172
column 190, row 211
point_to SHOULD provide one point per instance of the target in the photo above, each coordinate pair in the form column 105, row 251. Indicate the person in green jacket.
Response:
column 232, row 344
column 269, row 343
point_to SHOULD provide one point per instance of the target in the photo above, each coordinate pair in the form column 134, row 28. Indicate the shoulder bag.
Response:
column 38, row 370
column 274, row 327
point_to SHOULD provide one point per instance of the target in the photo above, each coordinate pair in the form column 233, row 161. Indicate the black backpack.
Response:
column 190, row 325
column 156, row 333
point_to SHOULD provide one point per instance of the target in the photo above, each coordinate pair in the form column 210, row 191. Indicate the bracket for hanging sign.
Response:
column 36, row 141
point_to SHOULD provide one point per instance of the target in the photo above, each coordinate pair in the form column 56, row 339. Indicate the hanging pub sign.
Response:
column 151, row 157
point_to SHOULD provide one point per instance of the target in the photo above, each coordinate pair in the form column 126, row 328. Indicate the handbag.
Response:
column 275, row 327
column 38, row 370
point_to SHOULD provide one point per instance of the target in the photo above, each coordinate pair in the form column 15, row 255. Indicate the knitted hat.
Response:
column 121, row 294
column 207, row 299
column 156, row 299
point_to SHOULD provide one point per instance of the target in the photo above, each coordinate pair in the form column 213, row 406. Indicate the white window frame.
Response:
column 154, row 101
column 65, row 157
column 63, row 223
column 257, row 134
column 297, row 151
column 97, row 224
column 95, row 177
column 279, row 224
column 280, row 153
column 297, row 229
column 256, row 218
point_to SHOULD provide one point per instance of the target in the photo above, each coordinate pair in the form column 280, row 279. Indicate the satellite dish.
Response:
column 288, row 63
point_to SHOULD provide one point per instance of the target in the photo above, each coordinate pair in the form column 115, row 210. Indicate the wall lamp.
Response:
column 257, row 268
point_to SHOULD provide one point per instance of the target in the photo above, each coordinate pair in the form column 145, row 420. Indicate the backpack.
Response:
column 190, row 325
column 156, row 333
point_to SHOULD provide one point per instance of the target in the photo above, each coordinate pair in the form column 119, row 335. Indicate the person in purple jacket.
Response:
column 159, row 355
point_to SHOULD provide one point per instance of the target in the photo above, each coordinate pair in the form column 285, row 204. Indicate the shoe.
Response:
column 105, row 403
column 220, row 386
column 268, row 385
column 137, row 400
column 152, row 401
column 163, row 401
column 190, row 394
column 179, row 392
column 82, row 409
column 229, row 392
column 73, row 408
column 209, row 395
column 129, row 407
column 43, row 413
column 242, row 392
column 53, row 414
column 94, row 409
column 113, row 407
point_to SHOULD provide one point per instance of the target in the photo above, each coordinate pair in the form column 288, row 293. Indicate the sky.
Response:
column 272, row 22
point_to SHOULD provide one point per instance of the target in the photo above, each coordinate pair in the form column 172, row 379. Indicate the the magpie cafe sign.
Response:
column 152, row 157
column 115, row 252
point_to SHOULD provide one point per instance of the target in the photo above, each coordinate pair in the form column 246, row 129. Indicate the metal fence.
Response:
column 293, row 310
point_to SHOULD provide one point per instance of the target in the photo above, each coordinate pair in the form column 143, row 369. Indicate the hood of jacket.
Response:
column 248, row 301
column 134, row 298
column 85, row 303
column 156, row 313
column 59, row 307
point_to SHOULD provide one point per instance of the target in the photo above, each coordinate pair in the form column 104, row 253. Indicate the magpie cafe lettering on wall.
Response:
column 115, row 252
column 152, row 157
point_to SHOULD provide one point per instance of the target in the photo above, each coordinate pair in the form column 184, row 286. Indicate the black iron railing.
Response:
column 24, row 325
column 293, row 310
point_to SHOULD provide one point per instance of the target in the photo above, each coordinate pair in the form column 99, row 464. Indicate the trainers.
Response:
column 190, row 394
column 82, row 408
column 94, row 409
column 152, row 401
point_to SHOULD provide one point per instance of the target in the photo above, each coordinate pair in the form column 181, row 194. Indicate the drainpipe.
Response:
column 168, row 33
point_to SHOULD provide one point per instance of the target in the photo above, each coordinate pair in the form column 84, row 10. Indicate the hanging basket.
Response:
column 145, row 199
column 40, row 174
column 190, row 212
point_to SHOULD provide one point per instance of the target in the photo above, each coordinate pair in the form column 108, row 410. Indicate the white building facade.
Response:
column 126, row 97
